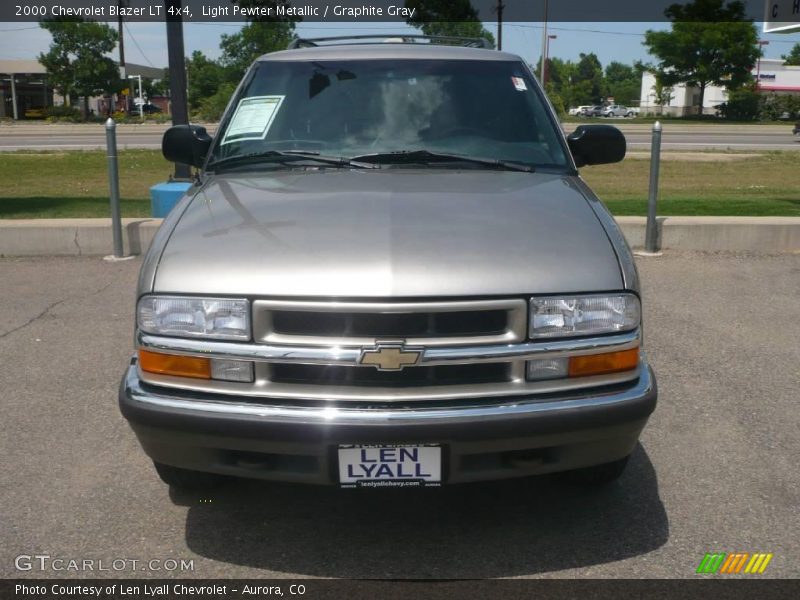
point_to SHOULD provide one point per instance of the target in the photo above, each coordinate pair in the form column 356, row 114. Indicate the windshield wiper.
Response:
column 427, row 157
column 287, row 156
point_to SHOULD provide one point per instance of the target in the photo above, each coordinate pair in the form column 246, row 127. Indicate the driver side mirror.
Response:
column 186, row 144
column 597, row 145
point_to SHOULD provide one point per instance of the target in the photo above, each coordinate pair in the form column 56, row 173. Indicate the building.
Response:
column 23, row 88
column 25, row 91
column 772, row 74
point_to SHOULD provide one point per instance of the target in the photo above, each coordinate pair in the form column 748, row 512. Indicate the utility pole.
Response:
column 544, row 45
column 123, row 73
column 500, row 7
column 177, row 74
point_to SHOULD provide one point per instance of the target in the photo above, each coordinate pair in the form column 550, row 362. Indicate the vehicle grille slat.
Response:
column 410, row 377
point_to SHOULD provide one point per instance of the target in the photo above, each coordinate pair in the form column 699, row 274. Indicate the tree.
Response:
column 240, row 49
column 589, row 75
column 623, row 83
column 710, row 43
column 76, row 63
column 663, row 93
column 449, row 18
column 793, row 58
column 204, row 76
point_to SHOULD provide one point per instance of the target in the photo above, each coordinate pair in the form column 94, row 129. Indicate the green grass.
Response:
column 75, row 184
column 764, row 186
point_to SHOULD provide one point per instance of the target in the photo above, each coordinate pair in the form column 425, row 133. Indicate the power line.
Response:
column 18, row 29
column 135, row 43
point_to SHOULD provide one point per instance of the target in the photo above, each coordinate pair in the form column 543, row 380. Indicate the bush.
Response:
column 742, row 105
column 774, row 106
column 211, row 108
column 69, row 114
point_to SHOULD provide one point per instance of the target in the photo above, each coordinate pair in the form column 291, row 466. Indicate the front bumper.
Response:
column 502, row 438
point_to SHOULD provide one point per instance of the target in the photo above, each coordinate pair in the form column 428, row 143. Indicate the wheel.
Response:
column 630, row 114
column 598, row 475
column 185, row 479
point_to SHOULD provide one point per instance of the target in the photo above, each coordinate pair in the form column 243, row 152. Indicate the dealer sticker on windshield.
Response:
column 390, row 466
column 253, row 118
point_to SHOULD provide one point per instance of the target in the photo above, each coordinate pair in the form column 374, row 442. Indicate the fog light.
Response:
column 170, row 364
column 547, row 368
column 601, row 364
column 231, row 370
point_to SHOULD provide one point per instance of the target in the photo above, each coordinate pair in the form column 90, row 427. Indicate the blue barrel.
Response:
column 164, row 197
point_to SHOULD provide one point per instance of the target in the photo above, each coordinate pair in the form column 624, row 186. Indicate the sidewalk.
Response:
column 92, row 237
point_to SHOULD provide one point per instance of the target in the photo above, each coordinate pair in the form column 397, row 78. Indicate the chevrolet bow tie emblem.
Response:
column 389, row 357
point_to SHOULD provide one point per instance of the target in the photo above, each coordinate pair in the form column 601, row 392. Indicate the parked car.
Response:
column 617, row 110
column 578, row 111
column 593, row 111
column 148, row 109
column 364, row 297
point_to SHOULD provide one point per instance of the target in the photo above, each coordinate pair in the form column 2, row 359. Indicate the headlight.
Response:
column 219, row 318
column 570, row 316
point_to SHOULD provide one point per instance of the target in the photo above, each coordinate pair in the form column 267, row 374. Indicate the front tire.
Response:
column 184, row 479
column 596, row 476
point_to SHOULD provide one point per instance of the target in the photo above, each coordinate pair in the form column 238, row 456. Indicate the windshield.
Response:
column 353, row 108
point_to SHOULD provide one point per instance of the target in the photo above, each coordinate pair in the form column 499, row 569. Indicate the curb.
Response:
column 92, row 237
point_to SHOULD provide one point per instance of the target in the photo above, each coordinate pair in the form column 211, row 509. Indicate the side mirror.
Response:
column 186, row 144
column 597, row 145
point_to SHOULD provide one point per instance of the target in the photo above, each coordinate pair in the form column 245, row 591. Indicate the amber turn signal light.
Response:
column 179, row 366
column 602, row 364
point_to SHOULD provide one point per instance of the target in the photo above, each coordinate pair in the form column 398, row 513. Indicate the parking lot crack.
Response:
column 75, row 241
column 52, row 306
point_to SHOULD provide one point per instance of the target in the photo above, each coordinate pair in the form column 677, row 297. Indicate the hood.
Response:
column 400, row 233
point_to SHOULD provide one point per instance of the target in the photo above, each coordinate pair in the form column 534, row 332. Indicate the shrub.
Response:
column 211, row 108
column 742, row 105
column 70, row 114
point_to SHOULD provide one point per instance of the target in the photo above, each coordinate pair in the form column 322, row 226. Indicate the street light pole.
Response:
column 547, row 57
column 141, row 98
column 761, row 44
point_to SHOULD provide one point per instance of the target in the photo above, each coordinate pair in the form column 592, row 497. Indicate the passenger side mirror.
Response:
column 186, row 144
column 597, row 145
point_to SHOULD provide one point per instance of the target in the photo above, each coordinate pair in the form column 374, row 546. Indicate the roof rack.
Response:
column 466, row 42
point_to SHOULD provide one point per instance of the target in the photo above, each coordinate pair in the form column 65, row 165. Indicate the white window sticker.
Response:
column 253, row 118
column 519, row 83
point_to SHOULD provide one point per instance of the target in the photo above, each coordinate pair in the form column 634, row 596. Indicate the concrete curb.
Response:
column 73, row 237
column 92, row 237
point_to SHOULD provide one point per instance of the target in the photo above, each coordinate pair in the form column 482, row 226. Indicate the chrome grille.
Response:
column 471, row 374
column 427, row 324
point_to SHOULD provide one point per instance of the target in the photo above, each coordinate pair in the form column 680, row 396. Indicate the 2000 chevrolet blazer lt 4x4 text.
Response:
column 388, row 273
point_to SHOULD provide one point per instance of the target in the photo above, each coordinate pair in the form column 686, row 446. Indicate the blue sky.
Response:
column 146, row 42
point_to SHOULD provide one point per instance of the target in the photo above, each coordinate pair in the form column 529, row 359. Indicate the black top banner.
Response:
column 365, row 11
column 335, row 589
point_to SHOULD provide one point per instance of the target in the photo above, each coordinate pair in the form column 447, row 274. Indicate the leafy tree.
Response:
column 793, row 58
column 204, row 75
column 663, row 93
column 240, row 49
column 623, row 83
column 448, row 17
column 710, row 43
column 76, row 62
column 589, row 72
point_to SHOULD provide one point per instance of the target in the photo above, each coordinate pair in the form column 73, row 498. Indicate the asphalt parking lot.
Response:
column 716, row 469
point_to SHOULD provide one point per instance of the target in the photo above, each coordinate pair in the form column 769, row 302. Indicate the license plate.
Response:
column 390, row 466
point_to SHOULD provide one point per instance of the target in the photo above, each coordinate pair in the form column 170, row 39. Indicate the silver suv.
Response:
column 388, row 273
column 617, row 110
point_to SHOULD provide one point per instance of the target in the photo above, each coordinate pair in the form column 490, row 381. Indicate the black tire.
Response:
column 598, row 475
column 184, row 479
